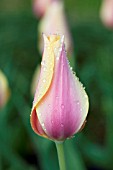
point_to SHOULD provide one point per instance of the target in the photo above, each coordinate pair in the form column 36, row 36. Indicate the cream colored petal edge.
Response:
column 46, row 72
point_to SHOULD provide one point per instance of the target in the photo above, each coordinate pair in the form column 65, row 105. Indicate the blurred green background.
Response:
column 20, row 147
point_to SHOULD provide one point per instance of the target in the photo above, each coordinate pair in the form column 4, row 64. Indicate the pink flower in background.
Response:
column 60, row 104
column 40, row 7
column 54, row 21
column 106, row 13
column 4, row 89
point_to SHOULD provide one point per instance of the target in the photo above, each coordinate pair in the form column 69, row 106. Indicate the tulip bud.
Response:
column 106, row 13
column 40, row 7
column 54, row 21
column 4, row 90
column 60, row 104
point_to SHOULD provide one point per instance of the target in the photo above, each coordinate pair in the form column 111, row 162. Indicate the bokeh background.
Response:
column 20, row 147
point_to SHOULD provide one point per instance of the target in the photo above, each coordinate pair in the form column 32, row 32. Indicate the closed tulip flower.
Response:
column 106, row 13
column 4, row 90
column 53, row 21
column 60, row 104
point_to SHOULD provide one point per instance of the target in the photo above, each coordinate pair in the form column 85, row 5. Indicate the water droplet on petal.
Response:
column 42, row 124
column 57, row 97
column 44, row 80
column 52, row 122
column 43, row 63
column 62, row 106
column 44, row 69
column 85, row 96
column 81, row 84
column 62, row 125
column 38, row 95
column 60, row 49
column 81, row 109
column 77, row 102
column 57, row 58
column 49, row 105
column 39, row 114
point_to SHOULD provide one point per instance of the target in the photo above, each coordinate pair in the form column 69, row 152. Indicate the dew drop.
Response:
column 77, row 102
column 71, row 68
column 60, row 49
column 44, row 80
column 81, row 109
column 43, row 63
column 43, row 124
column 44, row 69
column 57, row 97
column 62, row 125
column 62, row 106
column 55, row 111
column 85, row 96
column 49, row 105
column 57, row 58
column 52, row 122
column 38, row 95
column 39, row 115
column 81, row 85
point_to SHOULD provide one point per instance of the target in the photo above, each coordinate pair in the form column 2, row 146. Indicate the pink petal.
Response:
column 106, row 13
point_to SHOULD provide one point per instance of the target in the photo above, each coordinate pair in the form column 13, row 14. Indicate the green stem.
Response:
column 61, row 157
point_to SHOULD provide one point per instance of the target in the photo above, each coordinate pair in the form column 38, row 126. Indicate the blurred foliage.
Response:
column 20, row 148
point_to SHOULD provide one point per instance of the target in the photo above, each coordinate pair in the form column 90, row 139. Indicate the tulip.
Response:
column 106, row 13
column 60, row 104
column 40, row 7
column 4, row 90
column 54, row 21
